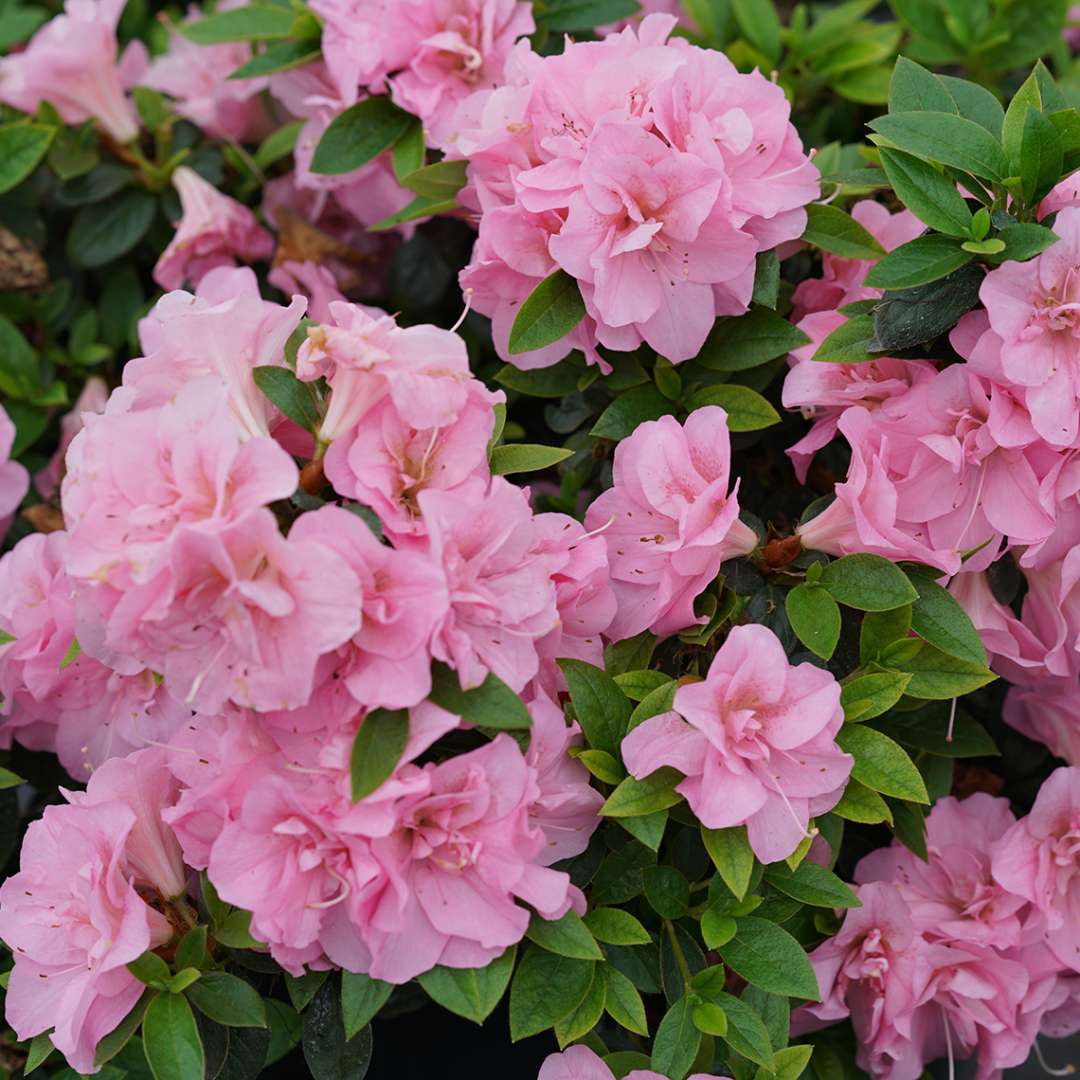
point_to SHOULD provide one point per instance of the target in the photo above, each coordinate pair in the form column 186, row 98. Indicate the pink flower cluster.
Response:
column 755, row 741
column 650, row 171
column 580, row 1063
column 14, row 480
column 970, row 954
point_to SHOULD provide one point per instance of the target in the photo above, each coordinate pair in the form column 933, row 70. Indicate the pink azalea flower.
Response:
column 953, row 897
column 214, row 231
column 73, row 920
column 669, row 520
column 567, row 807
column 196, row 78
column 578, row 1062
column 385, row 461
column 430, row 54
column 366, row 356
column 841, row 281
column 388, row 662
column 652, row 172
column 502, row 599
column 91, row 399
column 312, row 280
column 1049, row 714
column 822, row 391
column 71, row 63
column 1039, row 859
column 1032, row 307
column 14, row 480
column 224, row 329
column 755, row 741
column 578, row 564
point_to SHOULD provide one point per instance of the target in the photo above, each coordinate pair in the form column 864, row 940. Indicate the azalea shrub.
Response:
column 563, row 516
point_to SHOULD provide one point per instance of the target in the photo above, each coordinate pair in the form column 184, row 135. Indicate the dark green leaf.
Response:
column 947, row 139
column 420, row 207
column 760, row 25
column 255, row 22
column 622, row 1000
column 630, row 409
column 830, row 229
column 470, row 992
column 677, row 1041
column 361, row 999
column 280, row 56
column 613, row 926
column 302, row 989
column 746, row 1034
column 569, row 15
column 937, row 617
column 928, row 729
column 936, row 675
column 294, row 398
column 667, row 891
column 815, row 618
column 746, row 409
column 377, row 749
column 1025, row 241
column 811, row 884
column 849, row 343
column 914, row 89
column 768, row 956
column 602, row 709
column 358, row 135
column 278, row 144
column 39, row 1049
column 918, row 262
column 329, row 1055
column 171, row 1040
column 905, row 319
column 582, row 1019
column 228, row 1000
column 549, row 382
column 867, row 582
column 107, row 230
column 491, row 705
column 546, row 988
column 547, row 314
column 860, row 804
column 975, row 102
column 930, row 195
column 22, row 146
column 191, row 952
column 568, row 936
column 730, row 852
column 150, row 969
column 752, row 339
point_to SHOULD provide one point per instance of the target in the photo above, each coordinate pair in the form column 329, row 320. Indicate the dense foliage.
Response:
column 559, row 512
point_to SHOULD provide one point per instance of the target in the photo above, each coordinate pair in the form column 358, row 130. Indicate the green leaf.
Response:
column 39, row 1049
column 150, row 969
column 760, row 25
column 602, row 765
column 930, row 195
column 235, row 931
column 849, row 343
column 914, row 89
column 107, row 230
column 768, row 956
column 633, row 797
column 228, row 1000
column 491, row 705
column 581, row 1020
column 279, row 56
column 882, row 628
column 442, row 180
column 787, row 1064
column 830, row 229
column 547, row 314
column 171, row 1040
column 358, row 135
column 8, row 779
column 667, row 891
column 861, row 805
column 256, row 22
column 738, row 344
column 867, row 696
column 409, row 152
column 470, row 992
column 568, row 936
column 628, row 410
column 1024, row 241
column 975, row 103
column 361, row 999
column 937, row 617
column 278, row 144
column 191, row 952
column 546, row 988
column 294, row 398
column 549, row 382
column 677, row 1040
column 936, row 676
column 1012, row 133
column 815, row 618
column 622, row 1000
column 613, row 926
column 717, row 929
column 711, row 1019
column 881, row 764
column 118, row 1038
column 525, row 457
column 22, row 146
column 285, row 1028
column 638, row 685
column 811, row 884
column 918, row 262
column 927, row 729
column 867, row 582
column 746, row 409
column 420, row 207
column 647, row 828
column 1041, row 156
column 329, row 1055
column 19, row 23
column 377, row 749
column 746, row 1034
column 910, row 827
column 602, row 709
column 947, row 139
column 730, row 852
column 570, row 15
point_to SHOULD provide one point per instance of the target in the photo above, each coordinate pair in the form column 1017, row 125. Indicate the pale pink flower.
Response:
column 73, row 920
column 578, row 564
column 215, row 230
column 669, row 520
column 822, row 391
column 578, row 1062
column 1049, row 714
column 385, row 461
column 502, row 599
column 224, row 329
column 196, row 77
column 366, row 356
column 91, row 399
column 755, row 741
column 71, row 63
column 652, row 172
column 14, row 479
column 309, row 279
column 841, row 280
column 1039, row 859
column 567, row 807
column 388, row 661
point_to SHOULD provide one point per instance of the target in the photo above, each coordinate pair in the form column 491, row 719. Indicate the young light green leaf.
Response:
column 937, row 676
column 377, row 749
column 881, row 764
column 441, row 180
column 830, row 229
column 420, row 207
column 849, row 343
column 760, row 25
column 746, row 409
column 633, row 797
column 815, row 618
column 811, row 884
column 861, row 805
column 39, row 1049
column 471, row 993
column 867, row 696
column 614, row 926
column 547, row 314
